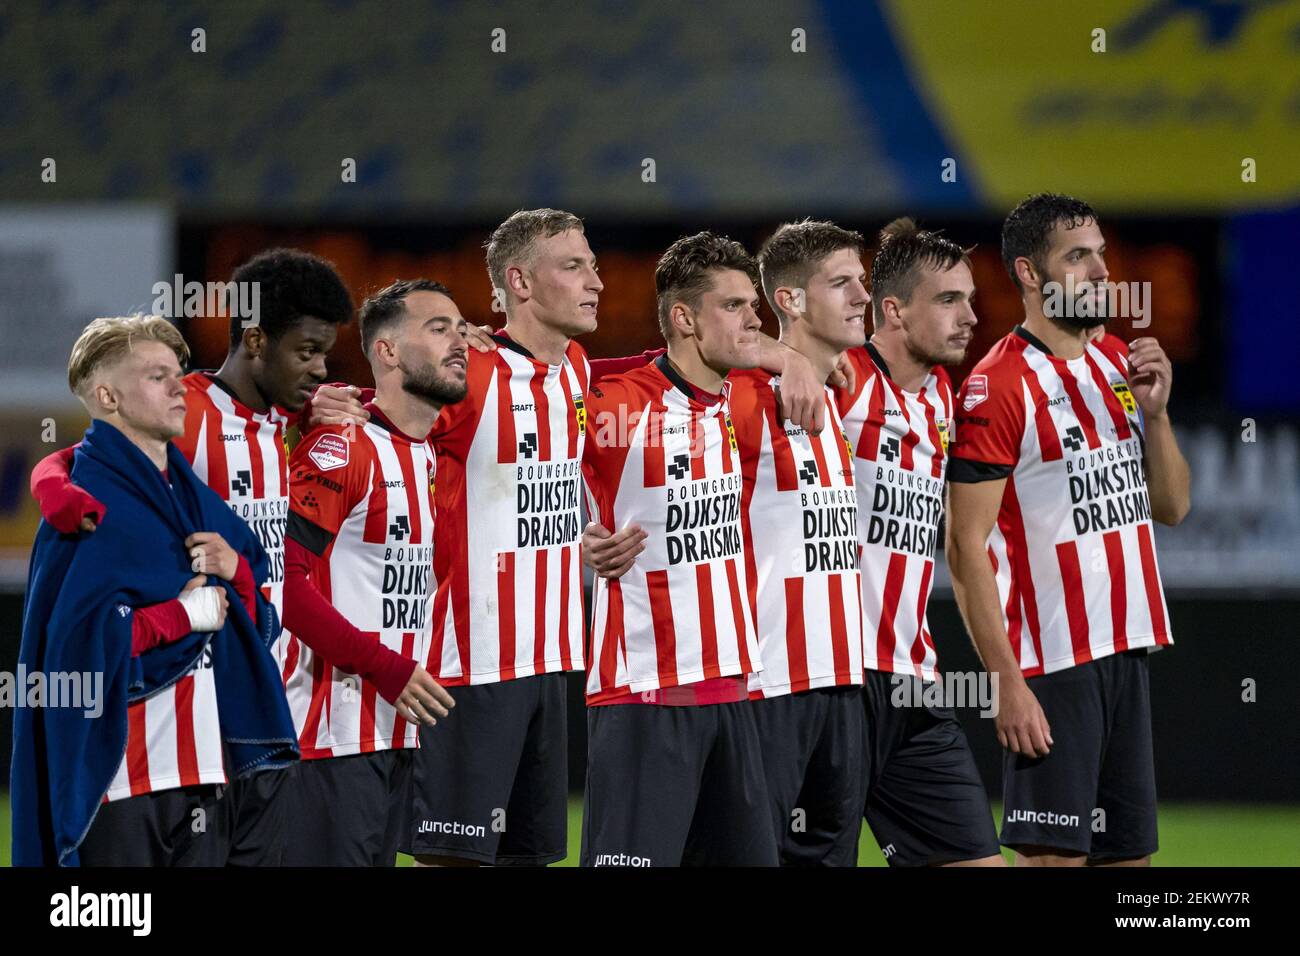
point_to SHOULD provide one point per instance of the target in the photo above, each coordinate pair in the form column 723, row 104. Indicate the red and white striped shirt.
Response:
column 659, row 458
column 900, row 442
column 364, row 508
column 801, row 538
column 174, row 737
column 506, row 567
column 1072, row 548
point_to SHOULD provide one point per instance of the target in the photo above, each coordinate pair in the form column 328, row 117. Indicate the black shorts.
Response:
column 185, row 826
column 1095, row 792
column 814, row 747
column 259, row 804
column 673, row 786
column 491, row 779
column 926, row 803
column 348, row 811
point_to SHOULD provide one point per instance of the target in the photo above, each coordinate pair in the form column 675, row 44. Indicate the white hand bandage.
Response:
column 203, row 605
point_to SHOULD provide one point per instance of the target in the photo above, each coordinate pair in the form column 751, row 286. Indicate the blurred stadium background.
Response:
column 171, row 160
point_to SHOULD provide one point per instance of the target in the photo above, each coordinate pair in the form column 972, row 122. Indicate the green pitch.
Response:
column 1191, row 834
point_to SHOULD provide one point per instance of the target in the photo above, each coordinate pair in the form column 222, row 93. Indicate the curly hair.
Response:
column 1028, row 227
column 292, row 284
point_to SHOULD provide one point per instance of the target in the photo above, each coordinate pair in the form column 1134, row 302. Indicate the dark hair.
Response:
column 791, row 254
column 905, row 249
column 386, row 306
column 1026, row 230
column 292, row 284
column 683, row 273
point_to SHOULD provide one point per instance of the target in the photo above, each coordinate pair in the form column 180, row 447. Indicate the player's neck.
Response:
column 905, row 369
column 237, row 375
column 411, row 414
column 155, row 449
column 1064, row 341
column 690, row 365
column 543, row 342
column 822, row 356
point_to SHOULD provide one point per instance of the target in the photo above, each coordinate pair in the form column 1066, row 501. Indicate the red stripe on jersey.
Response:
column 728, row 455
column 405, row 461
column 1080, row 407
column 796, row 642
column 137, row 751
column 319, row 696
column 613, row 641
column 398, row 739
column 1152, row 581
column 653, row 456
column 1048, row 441
column 291, row 652
column 366, row 725
column 922, row 641
column 782, row 457
column 708, row 630
column 187, row 756
column 218, row 472
column 819, row 456
column 573, row 431
column 543, row 407
column 868, row 443
column 1023, row 593
column 913, row 437
column 506, row 613
column 566, row 659
column 1117, row 416
column 936, row 461
column 738, row 613
column 507, row 451
column 1118, row 588
column 697, row 446
column 839, row 633
column 251, row 437
column 1067, row 559
column 885, row 638
column 376, row 528
column 661, row 616
column 539, row 619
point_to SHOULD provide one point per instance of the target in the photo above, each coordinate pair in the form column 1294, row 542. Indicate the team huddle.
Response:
column 325, row 656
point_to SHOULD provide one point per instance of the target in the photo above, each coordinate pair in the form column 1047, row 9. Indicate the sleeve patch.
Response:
column 329, row 452
column 976, row 391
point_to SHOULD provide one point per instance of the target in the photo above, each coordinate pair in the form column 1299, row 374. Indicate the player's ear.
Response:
column 682, row 319
column 1027, row 274
column 254, row 340
column 518, row 283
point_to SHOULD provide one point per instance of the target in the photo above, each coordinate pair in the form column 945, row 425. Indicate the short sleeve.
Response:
column 990, row 427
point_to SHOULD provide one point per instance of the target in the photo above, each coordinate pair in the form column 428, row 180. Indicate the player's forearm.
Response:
column 976, row 590
column 771, row 354
column 319, row 625
column 1169, row 479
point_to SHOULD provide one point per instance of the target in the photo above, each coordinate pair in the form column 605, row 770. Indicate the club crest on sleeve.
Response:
column 329, row 452
column 977, row 391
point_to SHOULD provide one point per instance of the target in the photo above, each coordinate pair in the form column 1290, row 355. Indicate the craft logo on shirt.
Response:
column 1125, row 396
column 941, row 426
column 580, row 412
column 977, row 391
column 329, row 452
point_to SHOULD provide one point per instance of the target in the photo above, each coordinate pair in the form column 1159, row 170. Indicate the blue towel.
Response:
column 77, row 619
